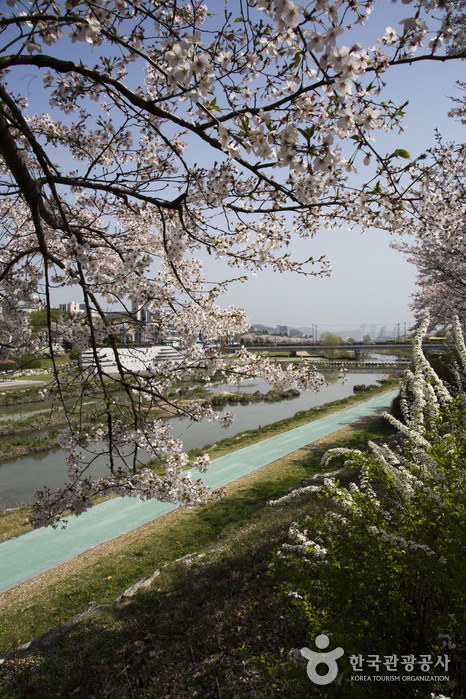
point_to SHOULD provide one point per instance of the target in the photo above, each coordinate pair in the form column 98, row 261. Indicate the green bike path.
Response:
column 37, row 551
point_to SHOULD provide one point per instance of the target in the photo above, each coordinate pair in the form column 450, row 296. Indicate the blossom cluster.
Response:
column 411, row 473
column 434, row 212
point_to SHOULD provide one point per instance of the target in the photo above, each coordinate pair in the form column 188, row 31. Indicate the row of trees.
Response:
column 168, row 133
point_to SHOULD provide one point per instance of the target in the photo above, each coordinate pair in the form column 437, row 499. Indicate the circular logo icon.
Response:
column 328, row 659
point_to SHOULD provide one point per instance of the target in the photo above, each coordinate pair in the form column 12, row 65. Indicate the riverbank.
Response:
column 9, row 525
column 103, row 573
column 20, row 444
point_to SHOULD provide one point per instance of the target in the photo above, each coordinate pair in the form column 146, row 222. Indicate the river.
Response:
column 21, row 478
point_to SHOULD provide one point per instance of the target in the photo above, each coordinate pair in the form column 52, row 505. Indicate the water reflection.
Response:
column 20, row 479
column 382, row 358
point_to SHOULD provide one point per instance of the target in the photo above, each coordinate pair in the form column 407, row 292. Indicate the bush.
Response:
column 382, row 572
column 218, row 401
column 32, row 363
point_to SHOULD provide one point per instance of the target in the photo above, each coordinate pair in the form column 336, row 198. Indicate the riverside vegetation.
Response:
column 19, row 443
column 11, row 523
column 229, row 601
column 230, row 622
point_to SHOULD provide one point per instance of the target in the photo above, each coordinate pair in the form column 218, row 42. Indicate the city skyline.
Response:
column 400, row 329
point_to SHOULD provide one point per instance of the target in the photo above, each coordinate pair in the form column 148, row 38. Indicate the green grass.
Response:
column 8, row 526
column 35, row 422
column 14, row 522
column 22, row 445
column 13, row 394
column 211, row 608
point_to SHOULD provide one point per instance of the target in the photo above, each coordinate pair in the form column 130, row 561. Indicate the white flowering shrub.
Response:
column 383, row 572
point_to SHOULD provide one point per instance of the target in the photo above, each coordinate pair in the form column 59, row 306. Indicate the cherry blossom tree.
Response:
column 166, row 132
column 441, row 282
column 459, row 110
column 436, row 216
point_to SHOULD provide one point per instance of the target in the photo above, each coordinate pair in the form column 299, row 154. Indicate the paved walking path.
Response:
column 37, row 551
column 19, row 383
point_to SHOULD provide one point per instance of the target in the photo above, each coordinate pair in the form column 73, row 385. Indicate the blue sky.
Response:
column 370, row 283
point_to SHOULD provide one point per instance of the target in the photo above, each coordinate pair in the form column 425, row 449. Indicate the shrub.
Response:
column 382, row 572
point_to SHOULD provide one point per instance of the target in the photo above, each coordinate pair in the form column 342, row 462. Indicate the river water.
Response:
column 21, row 478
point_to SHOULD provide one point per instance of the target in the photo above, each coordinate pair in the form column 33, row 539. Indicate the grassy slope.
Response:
column 190, row 632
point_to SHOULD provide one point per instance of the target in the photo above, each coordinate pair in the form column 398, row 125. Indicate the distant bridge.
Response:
column 357, row 347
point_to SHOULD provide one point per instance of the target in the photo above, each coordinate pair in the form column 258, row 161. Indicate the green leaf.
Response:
column 401, row 153
column 297, row 59
column 308, row 132
column 213, row 105
column 245, row 125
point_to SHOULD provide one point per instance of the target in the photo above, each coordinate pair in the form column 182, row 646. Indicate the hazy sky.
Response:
column 370, row 282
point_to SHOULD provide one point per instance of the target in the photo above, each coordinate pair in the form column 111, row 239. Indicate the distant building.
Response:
column 73, row 307
column 140, row 313
column 25, row 308
column 282, row 330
